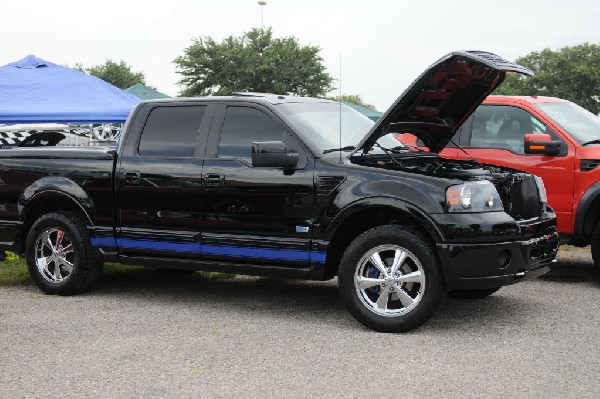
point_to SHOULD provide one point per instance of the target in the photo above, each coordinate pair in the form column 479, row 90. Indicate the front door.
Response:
column 259, row 215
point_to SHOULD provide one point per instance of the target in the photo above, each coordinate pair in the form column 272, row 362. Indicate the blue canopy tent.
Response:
column 36, row 91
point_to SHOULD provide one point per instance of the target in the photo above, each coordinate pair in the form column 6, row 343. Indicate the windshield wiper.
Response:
column 595, row 141
column 347, row 148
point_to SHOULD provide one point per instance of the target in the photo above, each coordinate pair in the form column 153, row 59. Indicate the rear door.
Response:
column 259, row 215
column 159, row 185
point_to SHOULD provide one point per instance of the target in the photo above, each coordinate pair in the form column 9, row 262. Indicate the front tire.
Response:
column 389, row 279
column 60, row 256
column 596, row 245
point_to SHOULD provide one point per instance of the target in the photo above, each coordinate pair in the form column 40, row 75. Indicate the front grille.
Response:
column 520, row 196
column 587, row 165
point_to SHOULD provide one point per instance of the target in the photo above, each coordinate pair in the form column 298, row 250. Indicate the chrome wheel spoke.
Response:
column 59, row 237
column 378, row 263
column 68, row 266
column 67, row 250
column 383, row 299
column 46, row 241
column 366, row 282
column 57, row 273
column 42, row 264
column 414, row 277
column 406, row 299
column 399, row 258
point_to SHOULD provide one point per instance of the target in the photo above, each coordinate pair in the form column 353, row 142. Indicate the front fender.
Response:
column 391, row 203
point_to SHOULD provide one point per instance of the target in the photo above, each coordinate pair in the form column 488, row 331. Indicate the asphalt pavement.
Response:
column 143, row 334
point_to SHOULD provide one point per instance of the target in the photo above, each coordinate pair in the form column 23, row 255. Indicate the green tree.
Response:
column 354, row 99
column 254, row 62
column 572, row 73
column 117, row 74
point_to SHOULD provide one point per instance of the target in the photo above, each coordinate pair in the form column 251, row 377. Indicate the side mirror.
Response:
column 273, row 154
column 541, row 144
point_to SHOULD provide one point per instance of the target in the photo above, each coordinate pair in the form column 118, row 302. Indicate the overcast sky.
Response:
column 384, row 45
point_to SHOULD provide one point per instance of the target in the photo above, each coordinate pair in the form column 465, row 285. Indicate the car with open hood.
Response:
column 290, row 187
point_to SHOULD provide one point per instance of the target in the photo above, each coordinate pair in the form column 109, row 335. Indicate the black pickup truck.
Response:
column 290, row 187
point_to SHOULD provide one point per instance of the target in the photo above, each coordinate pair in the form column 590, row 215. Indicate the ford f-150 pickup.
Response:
column 290, row 187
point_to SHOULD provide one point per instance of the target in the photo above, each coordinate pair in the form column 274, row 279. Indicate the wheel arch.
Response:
column 366, row 214
column 41, row 200
column 588, row 212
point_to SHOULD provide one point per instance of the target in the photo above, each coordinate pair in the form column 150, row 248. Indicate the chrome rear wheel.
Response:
column 59, row 254
column 54, row 255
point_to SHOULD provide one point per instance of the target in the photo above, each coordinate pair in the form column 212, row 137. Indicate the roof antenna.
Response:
column 340, row 103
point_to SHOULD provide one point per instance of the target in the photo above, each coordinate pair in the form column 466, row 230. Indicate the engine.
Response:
column 518, row 190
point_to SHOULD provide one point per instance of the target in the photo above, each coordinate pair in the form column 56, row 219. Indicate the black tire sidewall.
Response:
column 595, row 241
column 61, row 221
column 414, row 242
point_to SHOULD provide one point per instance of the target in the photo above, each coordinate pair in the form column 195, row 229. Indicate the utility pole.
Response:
column 262, row 5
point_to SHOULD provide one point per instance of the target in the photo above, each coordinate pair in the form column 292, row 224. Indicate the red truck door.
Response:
column 496, row 137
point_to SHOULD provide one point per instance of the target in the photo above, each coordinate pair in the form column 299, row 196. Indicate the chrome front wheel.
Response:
column 389, row 280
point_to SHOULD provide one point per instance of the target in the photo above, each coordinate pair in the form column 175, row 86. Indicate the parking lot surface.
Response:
column 143, row 334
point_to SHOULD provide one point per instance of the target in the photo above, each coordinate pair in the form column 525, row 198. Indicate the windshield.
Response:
column 581, row 124
column 320, row 123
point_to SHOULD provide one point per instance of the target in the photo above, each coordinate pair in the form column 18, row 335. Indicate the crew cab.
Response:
column 289, row 187
column 548, row 137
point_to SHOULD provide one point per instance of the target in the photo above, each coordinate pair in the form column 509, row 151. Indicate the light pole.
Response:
column 262, row 5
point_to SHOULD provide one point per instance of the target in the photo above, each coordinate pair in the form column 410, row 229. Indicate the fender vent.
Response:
column 327, row 184
column 587, row 165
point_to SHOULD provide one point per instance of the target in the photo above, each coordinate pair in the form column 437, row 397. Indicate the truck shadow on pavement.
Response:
column 574, row 266
column 320, row 302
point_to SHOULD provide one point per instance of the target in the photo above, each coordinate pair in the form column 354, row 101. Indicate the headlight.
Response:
column 476, row 196
column 541, row 189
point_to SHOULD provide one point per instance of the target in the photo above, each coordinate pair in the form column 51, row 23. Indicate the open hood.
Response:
column 436, row 104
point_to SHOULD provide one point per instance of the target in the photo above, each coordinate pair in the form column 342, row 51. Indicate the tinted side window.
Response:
column 241, row 127
column 171, row 131
column 501, row 126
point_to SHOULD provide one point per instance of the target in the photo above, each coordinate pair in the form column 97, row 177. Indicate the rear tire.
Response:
column 472, row 294
column 60, row 256
column 389, row 279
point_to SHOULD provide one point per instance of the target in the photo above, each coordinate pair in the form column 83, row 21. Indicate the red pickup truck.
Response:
column 549, row 137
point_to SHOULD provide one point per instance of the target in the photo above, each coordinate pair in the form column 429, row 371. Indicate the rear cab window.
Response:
column 171, row 131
